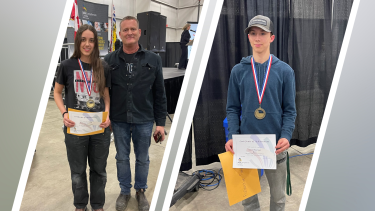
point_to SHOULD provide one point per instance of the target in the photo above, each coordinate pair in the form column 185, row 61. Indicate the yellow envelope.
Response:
column 104, row 118
column 241, row 183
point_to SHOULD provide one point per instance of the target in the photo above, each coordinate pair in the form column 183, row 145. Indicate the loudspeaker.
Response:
column 153, row 26
column 162, row 32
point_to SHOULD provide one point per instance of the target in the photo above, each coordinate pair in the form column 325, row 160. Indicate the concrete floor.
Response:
column 217, row 199
column 49, row 184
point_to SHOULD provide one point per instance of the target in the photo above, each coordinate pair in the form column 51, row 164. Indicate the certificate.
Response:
column 86, row 123
column 254, row 151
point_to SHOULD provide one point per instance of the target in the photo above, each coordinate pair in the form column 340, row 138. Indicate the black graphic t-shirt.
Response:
column 129, row 62
column 76, row 95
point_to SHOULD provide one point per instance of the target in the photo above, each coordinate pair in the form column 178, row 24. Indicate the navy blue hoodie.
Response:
column 278, row 100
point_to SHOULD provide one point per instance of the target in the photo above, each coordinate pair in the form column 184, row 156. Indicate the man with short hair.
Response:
column 137, row 100
column 271, row 112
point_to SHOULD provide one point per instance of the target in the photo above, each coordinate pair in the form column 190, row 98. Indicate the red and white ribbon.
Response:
column 88, row 87
column 261, row 94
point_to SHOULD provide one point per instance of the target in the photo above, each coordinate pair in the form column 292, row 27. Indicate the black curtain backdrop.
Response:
column 229, row 46
column 315, row 38
column 172, row 92
column 172, row 54
column 186, row 163
column 309, row 35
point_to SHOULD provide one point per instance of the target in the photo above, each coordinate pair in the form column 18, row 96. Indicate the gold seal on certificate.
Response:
column 90, row 104
column 260, row 113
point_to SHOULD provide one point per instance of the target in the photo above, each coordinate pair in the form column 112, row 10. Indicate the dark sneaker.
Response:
column 142, row 201
column 122, row 202
column 101, row 209
column 82, row 209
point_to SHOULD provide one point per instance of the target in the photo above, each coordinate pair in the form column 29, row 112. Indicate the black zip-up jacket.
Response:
column 138, row 97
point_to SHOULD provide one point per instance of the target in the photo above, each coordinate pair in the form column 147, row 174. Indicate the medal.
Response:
column 89, row 103
column 260, row 113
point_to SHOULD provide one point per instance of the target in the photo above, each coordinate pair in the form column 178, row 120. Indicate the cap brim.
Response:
column 256, row 25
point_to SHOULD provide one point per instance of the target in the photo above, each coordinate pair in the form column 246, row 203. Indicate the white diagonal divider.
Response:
column 42, row 106
column 186, row 105
column 331, row 98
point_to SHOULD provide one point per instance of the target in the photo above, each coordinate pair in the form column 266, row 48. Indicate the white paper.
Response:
column 254, row 151
column 85, row 122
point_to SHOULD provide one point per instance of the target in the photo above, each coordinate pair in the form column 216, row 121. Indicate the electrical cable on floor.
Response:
column 209, row 176
column 301, row 155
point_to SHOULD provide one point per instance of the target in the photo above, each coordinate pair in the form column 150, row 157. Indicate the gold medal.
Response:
column 90, row 104
column 259, row 113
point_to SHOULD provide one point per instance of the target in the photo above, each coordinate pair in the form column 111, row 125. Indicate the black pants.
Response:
column 94, row 149
column 184, row 56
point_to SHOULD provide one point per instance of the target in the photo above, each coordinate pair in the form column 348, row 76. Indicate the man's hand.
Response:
column 282, row 145
column 67, row 121
column 106, row 123
column 160, row 129
column 229, row 146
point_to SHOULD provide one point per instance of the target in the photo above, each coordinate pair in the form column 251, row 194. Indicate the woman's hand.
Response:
column 106, row 123
column 67, row 121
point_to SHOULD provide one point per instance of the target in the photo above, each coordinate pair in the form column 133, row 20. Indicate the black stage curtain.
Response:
column 163, row 58
column 315, row 38
column 309, row 35
column 186, row 163
column 209, row 136
column 172, row 91
column 172, row 53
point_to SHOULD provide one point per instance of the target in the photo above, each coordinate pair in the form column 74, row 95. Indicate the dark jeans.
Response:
column 184, row 56
column 140, row 134
column 94, row 149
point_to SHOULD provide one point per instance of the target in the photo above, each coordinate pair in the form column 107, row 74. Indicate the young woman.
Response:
column 86, row 80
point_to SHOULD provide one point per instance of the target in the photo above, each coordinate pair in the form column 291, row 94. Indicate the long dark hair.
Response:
column 95, row 62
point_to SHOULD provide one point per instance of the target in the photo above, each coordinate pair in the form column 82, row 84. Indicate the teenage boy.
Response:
column 271, row 111
column 137, row 100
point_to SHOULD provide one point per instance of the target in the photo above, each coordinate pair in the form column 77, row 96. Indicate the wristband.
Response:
column 64, row 113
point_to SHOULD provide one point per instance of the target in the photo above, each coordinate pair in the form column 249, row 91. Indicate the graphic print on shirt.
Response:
column 129, row 67
column 82, row 95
